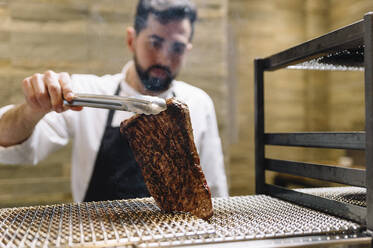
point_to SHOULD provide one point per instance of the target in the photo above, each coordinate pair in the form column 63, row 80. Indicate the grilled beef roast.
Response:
column 164, row 148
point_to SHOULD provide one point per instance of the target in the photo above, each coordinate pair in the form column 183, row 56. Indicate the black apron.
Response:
column 116, row 175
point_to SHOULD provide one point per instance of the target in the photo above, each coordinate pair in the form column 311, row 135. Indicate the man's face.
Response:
column 159, row 52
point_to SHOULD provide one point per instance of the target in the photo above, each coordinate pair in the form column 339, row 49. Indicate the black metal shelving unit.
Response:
column 348, row 48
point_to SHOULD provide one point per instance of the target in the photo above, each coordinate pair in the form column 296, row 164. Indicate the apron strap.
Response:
column 111, row 112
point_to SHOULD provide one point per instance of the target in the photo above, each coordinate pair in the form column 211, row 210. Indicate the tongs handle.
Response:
column 138, row 104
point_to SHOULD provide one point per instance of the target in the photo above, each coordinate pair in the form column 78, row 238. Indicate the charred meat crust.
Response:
column 164, row 148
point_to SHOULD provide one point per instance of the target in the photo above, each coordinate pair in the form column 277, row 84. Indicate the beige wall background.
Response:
column 87, row 36
column 295, row 100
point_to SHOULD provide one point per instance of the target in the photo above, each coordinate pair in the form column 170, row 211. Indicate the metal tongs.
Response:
column 149, row 105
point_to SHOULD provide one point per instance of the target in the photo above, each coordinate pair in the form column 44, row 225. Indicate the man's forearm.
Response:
column 17, row 124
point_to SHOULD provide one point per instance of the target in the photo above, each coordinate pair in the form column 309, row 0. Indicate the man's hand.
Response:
column 46, row 92
column 43, row 93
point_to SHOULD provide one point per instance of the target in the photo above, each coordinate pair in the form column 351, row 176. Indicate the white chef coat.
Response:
column 86, row 128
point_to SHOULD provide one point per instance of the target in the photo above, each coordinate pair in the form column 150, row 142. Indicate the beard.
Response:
column 154, row 84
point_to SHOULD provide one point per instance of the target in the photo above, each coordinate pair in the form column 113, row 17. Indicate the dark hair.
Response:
column 165, row 11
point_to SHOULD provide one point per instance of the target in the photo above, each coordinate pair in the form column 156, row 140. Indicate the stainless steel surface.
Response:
column 332, row 241
column 352, row 195
column 138, row 104
column 140, row 223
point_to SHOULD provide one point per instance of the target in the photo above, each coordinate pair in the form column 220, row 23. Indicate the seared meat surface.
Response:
column 164, row 148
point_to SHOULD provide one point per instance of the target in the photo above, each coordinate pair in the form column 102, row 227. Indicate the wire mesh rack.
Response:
column 140, row 223
column 352, row 195
column 95, row 224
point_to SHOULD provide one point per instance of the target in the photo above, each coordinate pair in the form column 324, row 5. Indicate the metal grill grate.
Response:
column 97, row 223
column 140, row 223
column 352, row 195
column 261, row 217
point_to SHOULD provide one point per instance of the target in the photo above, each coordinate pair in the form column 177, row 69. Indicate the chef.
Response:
column 103, row 166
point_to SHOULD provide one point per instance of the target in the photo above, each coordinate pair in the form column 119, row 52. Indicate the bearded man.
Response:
column 103, row 167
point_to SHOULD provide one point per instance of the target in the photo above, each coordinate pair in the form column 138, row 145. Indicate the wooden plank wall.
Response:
column 261, row 28
column 88, row 36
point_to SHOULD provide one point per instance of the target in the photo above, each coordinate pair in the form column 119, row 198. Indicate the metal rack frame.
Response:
column 354, row 35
